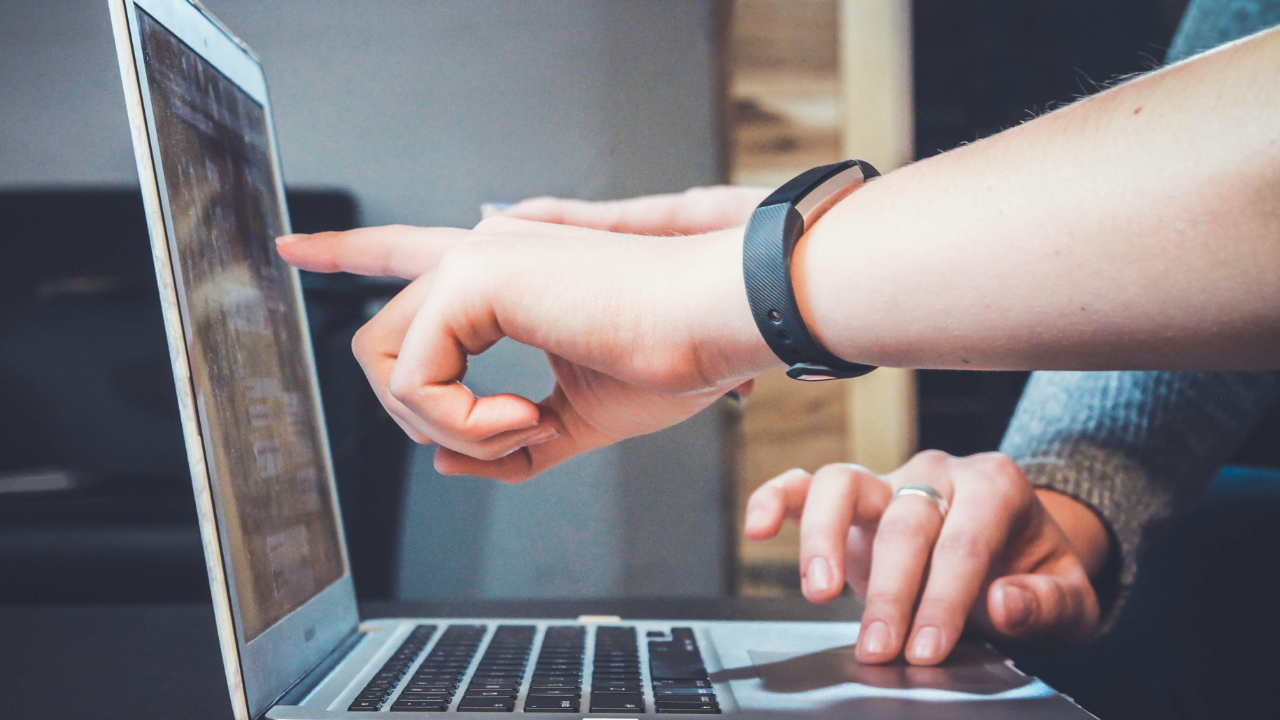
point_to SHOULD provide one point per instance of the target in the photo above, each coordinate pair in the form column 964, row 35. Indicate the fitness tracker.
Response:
column 772, row 232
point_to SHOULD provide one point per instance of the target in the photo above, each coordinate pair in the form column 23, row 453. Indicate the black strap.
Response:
column 772, row 233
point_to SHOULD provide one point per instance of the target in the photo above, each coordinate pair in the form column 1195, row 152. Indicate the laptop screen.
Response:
column 253, row 386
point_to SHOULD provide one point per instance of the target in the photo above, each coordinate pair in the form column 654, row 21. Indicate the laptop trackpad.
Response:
column 969, row 669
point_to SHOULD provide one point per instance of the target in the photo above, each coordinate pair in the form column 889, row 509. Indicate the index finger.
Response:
column 389, row 251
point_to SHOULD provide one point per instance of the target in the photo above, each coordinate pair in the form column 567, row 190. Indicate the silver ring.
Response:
column 924, row 491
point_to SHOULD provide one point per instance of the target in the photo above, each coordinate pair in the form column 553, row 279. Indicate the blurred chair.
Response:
column 95, row 496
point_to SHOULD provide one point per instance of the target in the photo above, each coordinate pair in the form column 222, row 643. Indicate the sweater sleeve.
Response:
column 1136, row 447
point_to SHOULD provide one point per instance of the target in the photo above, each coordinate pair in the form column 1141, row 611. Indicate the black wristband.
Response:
column 772, row 232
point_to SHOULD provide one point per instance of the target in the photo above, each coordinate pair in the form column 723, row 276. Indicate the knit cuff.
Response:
column 1118, row 490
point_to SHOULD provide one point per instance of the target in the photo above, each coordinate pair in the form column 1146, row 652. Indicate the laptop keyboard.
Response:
column 556, row 685
column 677, row 674
column 384, row 681
column 496, row 682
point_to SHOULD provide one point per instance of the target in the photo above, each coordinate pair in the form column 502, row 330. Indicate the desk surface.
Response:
column 162, row 661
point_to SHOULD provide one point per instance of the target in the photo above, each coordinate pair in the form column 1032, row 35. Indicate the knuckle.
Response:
column 929, row 460
column 401, row 388
column 360, row 343
column 784, row 479
column 498, row 225
column 843, row 471
column 540, row 202
column 457, row 263
column 941, row 610
column 964, row 544
column 932, row 456
column 905, row 528
column 999, row 465
column 898, row 601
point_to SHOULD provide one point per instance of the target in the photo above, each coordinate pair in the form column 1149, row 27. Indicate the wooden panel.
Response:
column 878, row 126
column 795, row 66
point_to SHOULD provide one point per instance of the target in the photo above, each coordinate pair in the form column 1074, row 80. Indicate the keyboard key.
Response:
column 491, row 693
column 668, row 662
column 441, row 678
column 487, row 705
column 365, row 705
column 608, row 687
column 493, row 686
column 604, row 702
column 556, row 692
column 686, row 698
column 419, row 706
column 604, row 657
column 681, row 684
column 540, row 703
column 554, row 684
column 496, row 678
column 677, row 693
column 411, row 693
column 615, row 678
column 691, row 708
column 432, row 686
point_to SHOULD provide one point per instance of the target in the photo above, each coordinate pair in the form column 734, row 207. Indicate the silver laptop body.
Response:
column 292, row 642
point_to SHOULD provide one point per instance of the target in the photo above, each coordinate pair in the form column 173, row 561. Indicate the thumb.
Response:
column 1064, row 607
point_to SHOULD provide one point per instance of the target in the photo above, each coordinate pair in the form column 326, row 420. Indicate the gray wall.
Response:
column 424, row 110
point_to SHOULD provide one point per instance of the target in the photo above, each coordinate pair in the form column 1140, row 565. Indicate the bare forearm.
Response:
column 1138, row 228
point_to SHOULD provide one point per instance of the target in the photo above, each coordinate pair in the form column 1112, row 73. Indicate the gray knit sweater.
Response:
column 1139, row 447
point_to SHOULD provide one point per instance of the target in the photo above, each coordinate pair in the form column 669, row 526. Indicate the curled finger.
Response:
column 777, row 500
column 841, row 496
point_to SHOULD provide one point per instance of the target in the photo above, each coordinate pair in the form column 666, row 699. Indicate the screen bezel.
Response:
column 261, row 670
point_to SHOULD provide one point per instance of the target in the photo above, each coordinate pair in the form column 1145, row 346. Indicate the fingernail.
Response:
column 286, row 239
column 1019, row 606
column 818, row 578
column 874, row 639
column 927, row 643
column 436, row 463
column 546, row 436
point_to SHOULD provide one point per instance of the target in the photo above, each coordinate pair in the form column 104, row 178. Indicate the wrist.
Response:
column 726, row 340
column 1084, row 529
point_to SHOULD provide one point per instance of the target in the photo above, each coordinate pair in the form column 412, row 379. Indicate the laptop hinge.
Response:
column 301, row 689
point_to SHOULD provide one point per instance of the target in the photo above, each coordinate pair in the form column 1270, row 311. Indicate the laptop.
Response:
column 293, row 645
